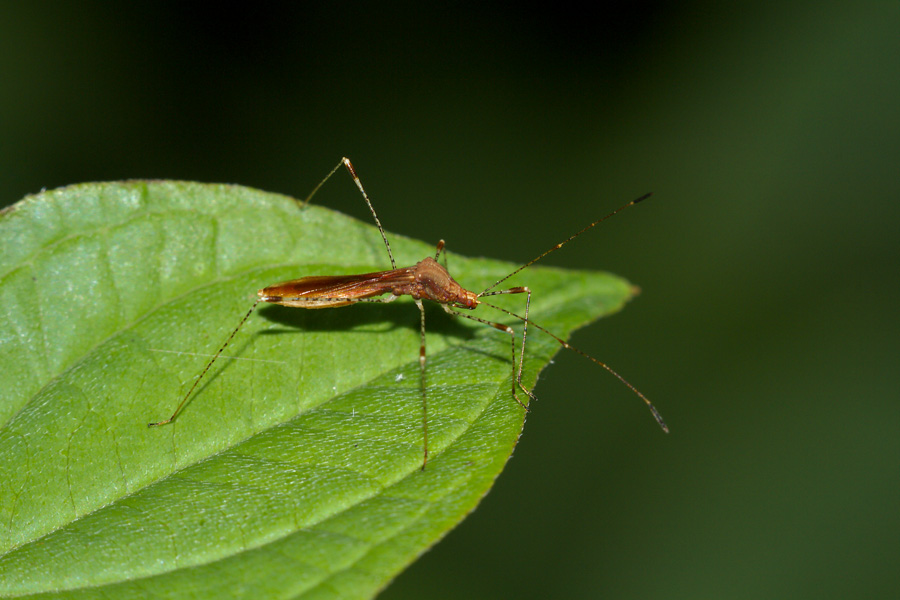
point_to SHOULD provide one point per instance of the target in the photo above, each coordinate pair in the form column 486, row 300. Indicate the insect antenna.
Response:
column 488, row 292
column 565, row 241
column 566, row 344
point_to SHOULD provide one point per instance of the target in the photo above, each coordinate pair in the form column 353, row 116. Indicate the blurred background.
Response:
column 767, row 330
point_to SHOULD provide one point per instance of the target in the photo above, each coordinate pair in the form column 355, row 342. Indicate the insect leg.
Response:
column 346, row 162
column 422, row 370
column 422, row 380
column 518, row 290
column 321, row 183
column 205, row 369
column 512, row 334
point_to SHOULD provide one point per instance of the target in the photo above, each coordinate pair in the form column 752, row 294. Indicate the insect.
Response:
column 426, row 280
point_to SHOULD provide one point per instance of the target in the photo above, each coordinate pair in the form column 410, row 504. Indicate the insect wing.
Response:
column 328, row 291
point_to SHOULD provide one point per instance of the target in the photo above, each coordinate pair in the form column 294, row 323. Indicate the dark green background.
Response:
column 767, row 331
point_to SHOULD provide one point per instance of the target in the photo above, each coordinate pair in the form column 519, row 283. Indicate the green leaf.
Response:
column 294, row 471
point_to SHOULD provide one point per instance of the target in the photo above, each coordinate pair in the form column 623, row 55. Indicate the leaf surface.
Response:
column 294, row 470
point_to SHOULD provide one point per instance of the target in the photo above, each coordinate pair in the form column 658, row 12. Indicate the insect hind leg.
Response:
column 350, row 169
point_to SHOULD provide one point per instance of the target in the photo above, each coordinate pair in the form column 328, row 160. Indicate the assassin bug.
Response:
column 426, row 280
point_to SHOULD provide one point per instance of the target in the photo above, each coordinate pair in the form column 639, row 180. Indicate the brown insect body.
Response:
column 426, row 280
